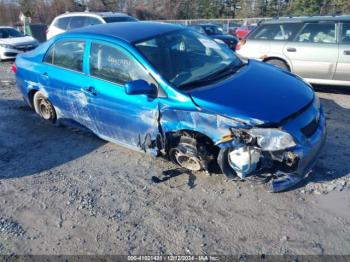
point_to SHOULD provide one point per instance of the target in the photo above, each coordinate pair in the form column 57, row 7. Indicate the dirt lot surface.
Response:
column 63, row 191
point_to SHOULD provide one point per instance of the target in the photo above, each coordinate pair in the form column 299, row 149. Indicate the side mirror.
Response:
column 140, row 87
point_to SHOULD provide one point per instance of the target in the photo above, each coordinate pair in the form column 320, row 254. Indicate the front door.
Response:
column 343, row 67
column 314, row 51
column 131, row 120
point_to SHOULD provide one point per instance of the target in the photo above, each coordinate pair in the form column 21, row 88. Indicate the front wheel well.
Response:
column 194, row 144
column 279, row 59
column 173, row 136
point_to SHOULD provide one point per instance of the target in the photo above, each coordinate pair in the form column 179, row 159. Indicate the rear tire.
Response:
column 279, row 63
column 44, row 108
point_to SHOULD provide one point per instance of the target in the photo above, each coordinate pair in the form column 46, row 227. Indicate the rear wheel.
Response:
column 279, row 63
column 44, row 108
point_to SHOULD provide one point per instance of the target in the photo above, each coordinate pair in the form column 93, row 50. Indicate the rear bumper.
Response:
column 307, row 154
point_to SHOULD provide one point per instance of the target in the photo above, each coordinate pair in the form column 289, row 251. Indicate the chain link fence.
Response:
column 226, row 24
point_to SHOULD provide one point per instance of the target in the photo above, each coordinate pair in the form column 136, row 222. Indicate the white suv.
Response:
column 69, row 21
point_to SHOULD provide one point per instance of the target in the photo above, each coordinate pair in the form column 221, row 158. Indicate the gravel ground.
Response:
column 64, row 191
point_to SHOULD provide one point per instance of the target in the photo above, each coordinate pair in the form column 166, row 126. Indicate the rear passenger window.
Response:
column 67, row 54
column 318, row 33
column 345, row 36
column 112, row 64
column 281, row 32
column 62, row 23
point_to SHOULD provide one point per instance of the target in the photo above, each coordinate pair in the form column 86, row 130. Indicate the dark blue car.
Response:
column 173, row 92
column 215, row 32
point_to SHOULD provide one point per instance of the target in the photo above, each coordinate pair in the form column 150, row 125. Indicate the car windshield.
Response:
column 114, row 19
column 9, row 33
column 187, row 58
column 213, row 30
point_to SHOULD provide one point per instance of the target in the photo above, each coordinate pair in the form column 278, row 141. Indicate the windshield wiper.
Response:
column 226, row 71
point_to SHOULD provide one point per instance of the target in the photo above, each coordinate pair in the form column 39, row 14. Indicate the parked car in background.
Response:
column 13, row 42
column 176, row 93
column 69, row 21
column 215, row 32
column 244, row 30
column 232, row 28
column 315, row 48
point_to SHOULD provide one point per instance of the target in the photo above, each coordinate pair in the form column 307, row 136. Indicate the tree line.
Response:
column 43, row 11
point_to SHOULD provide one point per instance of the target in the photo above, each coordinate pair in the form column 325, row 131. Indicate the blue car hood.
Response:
column 257, row 91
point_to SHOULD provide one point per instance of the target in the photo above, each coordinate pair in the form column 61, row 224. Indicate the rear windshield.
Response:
column 62, row 23
column 114, row 19
column 280, row 32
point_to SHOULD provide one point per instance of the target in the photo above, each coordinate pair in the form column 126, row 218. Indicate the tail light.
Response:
column 14, row 68
column 240, row 44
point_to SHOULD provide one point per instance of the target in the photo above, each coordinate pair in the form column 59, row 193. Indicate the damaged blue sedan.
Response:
column 172, row 92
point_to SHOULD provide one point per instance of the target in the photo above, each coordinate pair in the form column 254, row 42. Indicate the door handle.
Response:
column 45, row 75
column 346, row 52
column 291, row 49
column 91, row 90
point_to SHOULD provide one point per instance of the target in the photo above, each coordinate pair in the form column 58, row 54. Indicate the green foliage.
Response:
column 307, row 7
column 27, row 7
column 45, row 10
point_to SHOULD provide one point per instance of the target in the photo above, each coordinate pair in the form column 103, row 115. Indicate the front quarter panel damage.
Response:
column 212, row 125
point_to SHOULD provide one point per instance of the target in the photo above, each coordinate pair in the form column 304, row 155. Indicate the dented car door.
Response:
column 120, row 117
column 63, row 77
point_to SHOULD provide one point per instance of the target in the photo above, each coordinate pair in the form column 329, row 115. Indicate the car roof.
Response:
column 101, row 14
column 128, row 31
column 306, row 19
column 2, row 27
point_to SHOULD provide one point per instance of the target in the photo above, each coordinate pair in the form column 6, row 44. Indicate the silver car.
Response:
column 13, row 42
column 315, row 48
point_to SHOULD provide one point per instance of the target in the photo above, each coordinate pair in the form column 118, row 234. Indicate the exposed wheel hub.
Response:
column 187, row 161
column 186, row 154
column 45, row 109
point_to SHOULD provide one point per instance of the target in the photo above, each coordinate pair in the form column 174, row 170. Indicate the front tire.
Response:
column 44, row 107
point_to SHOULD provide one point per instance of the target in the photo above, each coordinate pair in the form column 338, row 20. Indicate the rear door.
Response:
column 314, row 51
column 269, row 40
column 64, row 81
column 343, row 67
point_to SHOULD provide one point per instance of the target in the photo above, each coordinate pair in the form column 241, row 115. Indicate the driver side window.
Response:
column 114, row 65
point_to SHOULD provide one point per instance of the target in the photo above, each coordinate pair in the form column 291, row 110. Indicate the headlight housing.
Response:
column 271, row 139
column 7, row 46
column 267, row 139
